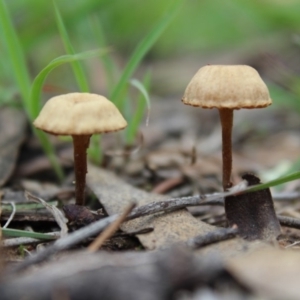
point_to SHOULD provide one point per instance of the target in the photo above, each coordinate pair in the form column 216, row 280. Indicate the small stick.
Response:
column 110, row 230
column 174, row 204
column 283, row 196
column 212, row 237
column 289, row 222
column 167, row 185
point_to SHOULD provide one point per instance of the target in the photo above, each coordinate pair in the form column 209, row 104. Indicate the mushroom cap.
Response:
column 79, row 114
column 227, row 87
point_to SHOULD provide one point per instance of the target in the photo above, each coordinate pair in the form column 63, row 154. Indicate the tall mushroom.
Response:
column 79, row 115
column 227, row 87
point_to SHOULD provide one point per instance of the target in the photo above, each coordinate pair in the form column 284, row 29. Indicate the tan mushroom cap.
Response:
column 79, row 114
column 227, row 86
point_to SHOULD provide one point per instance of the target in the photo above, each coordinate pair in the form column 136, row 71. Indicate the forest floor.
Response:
column 168, row 251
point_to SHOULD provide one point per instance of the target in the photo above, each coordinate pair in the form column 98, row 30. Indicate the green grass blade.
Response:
column 41, row 77
column 109, row 66
column 22, row 233
column 142, row 104
column 49, row 151
column 76, row 66
column 24, row 206
column 275, row 182
column 143, row 47
column 16, row 55
column 142, row 88
column 94, row 151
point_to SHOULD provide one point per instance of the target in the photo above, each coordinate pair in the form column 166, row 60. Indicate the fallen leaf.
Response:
column 169, row 228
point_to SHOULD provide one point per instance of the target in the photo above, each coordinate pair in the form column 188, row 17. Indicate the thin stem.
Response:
column 226, row 116
column 81, row 143
column 111, row 229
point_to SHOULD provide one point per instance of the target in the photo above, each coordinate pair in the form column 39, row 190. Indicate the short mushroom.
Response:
column 227, row 87
column 79, row 115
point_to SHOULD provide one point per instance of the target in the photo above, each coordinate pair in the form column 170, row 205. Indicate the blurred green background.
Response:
column 200, row 25
column 199, row 28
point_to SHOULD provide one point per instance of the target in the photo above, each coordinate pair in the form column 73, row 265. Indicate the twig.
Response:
column 292, row 245
column 167, row 185
column 25, row 240
column 286, row 196
column 175, row 204
column 212, row 237
column 198, row 200
column 289, row 222
column 11, row 215
column 110, row 230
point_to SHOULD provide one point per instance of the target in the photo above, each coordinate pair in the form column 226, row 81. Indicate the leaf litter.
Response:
column 102, row 183
column 115, row 195
column 229, row 268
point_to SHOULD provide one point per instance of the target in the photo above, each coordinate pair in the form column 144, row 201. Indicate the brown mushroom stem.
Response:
column 226, row 116
column 81, row 143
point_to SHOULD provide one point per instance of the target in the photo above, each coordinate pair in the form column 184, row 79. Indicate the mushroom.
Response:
column 79, row 115
column 227, row 87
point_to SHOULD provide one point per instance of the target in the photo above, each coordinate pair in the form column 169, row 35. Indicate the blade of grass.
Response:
column 16, row 55
column 22, row 78
column 275, row 182
column 110, row 68
column 76, row 66
column 94, row 151
column 142, row 103
column 143, row 47
column 107, row 61
column 49, row 151
column 41, row 77
column 22, row 233
column 73, row 14
column 26, row 206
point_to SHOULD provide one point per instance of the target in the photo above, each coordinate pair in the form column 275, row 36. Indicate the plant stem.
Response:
column 81, row 143
column 226, row 116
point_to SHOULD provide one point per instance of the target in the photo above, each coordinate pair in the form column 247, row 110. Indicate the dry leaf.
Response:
column 115, row 195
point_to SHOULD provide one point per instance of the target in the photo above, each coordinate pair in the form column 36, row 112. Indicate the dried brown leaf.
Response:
column 115, row 195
